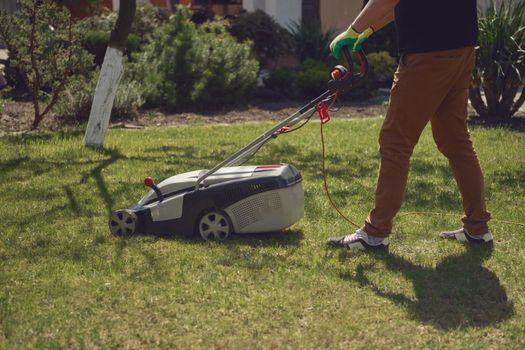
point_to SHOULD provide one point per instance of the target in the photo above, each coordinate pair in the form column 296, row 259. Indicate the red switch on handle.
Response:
column 323, row 112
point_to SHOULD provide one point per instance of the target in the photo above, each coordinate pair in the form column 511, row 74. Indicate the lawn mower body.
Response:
column 248, row 199
column 230, row 198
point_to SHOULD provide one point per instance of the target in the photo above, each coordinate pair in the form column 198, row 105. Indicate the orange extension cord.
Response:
column 410, row 213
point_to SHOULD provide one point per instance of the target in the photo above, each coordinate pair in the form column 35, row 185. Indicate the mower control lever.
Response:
column 344, row 76
column 149, row 182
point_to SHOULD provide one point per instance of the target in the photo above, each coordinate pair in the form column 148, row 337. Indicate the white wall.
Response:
column 482, row 4
column 284, row 12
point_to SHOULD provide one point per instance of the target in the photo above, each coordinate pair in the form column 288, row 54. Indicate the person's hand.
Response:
column 351, row 39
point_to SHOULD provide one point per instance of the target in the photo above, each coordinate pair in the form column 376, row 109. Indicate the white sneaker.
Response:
column 463, row 236
column 359, row 240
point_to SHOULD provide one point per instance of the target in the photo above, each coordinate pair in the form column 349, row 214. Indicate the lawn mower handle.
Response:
column 345, row 80
column 344, row 77
column 361, row 57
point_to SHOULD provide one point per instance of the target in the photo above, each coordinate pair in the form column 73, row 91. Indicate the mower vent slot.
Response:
column 256, row 208
column 236, row 194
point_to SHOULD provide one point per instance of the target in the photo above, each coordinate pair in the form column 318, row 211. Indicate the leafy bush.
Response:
column 269, row 38
column 186, row 65
column 96, row 31
column 312, row 78
column 78, row 98
column 382, row 67
column 310, row 42
column 281, row 80
column 44, row 51
column 96, row 42
column 500, row 60
column 381, row 71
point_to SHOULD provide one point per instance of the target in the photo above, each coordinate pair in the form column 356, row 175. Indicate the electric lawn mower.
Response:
column 230, row 198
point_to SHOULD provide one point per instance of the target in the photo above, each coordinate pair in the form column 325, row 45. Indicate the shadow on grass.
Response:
column 114, row 156
column 12, row 163
column 263, row 239
column 234, row 252
column 255, row 258
column 458, row 293
column 96, row 174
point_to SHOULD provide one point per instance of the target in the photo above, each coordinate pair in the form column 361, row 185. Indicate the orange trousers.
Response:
column 429, row 87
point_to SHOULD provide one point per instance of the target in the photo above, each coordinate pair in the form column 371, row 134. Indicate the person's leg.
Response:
column 421, row 84
column 449, row 128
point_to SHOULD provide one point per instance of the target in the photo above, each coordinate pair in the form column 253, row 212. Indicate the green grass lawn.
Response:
column 65, row 281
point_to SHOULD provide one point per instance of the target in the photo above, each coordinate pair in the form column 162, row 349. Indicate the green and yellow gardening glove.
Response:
column 350, row 38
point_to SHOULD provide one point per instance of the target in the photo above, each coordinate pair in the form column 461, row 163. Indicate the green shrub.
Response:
column 78, row 97
column 202, row 66
column 500, row 60
column 312, row 78
column 281, row 80
column 269, row 38
column 96, row 42
column 128, row 99
column 95, row 31
column 44, row 52
column 382, row 67
column 380, row 74
column 310, row 41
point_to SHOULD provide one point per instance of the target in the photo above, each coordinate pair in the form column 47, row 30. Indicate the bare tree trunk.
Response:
column 110, row 74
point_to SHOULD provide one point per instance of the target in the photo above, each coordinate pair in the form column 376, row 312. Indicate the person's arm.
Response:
column 376, row 14
column 378, row 25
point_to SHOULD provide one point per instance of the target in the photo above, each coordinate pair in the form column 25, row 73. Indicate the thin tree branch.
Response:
column 58, row 90
column 34, row 66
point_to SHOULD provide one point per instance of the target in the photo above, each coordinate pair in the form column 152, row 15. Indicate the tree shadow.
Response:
column 12, row 164
column 457, row 293
column 96, row 174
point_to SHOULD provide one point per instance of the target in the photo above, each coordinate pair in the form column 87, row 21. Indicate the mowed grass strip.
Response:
column 65, row 281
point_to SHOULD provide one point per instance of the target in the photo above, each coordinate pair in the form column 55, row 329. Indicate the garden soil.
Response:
column 18, row 116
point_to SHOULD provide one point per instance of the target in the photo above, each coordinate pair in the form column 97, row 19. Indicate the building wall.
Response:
column 284, row 12
column 8, row 5
column 485, row 3
column 338, row 14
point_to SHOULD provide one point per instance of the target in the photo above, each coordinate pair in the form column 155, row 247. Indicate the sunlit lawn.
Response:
column 66, row 282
